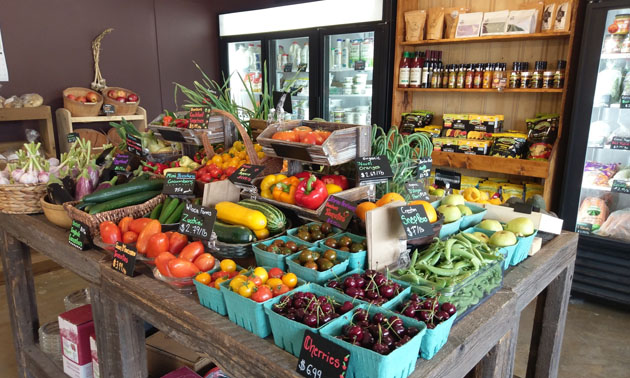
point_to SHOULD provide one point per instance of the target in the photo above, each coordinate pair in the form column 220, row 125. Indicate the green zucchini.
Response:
column 276, row 220
column 169, row 210
column 118, row 191
column 232, row 234
column 156, row 211
column 176, row 215
column 129, row 200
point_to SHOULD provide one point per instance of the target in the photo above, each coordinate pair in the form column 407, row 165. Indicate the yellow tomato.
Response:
column 228, row 265
column 274, row 282
column 290, row 280
column 244, row 272
column 238, row 145
column 204, row 278
column 257, row 147
column 262, row 273
column 216, row 159
column 247, row 289
column 219, row 281
column 236, row 283
column 225, row 157
column 242, row 155
column 260, row 154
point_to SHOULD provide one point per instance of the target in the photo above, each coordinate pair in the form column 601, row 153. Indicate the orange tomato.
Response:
column 177, row 242
column 272, row 282
column 158, row 243
column 129, row 237
column 181, row 268
column 124, row 224
column 290, row 279
column 152, row 227
column 288, row 136
column 363, row 208
column 192, row 251
column 204, row 278
column 323, row 134
column 137, row 225
column 431, row 213
column 312, row 138
column 279, row 289
column 169, row 233
column 219, row 281
column 389, row 197
column 161, row 262
column 205, row 262
column 246, row 289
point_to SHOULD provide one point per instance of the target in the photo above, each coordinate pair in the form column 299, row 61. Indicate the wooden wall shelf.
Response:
column 483, row 90
column 41, row 114
column 490, row 38
column 520, row 167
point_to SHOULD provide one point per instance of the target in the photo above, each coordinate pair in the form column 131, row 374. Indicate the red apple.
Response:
column 120, row 99
column 121, row 93
column 72, row 97
column 112, row 94
column 92, row 97
column 132, row 98
column 82, row 99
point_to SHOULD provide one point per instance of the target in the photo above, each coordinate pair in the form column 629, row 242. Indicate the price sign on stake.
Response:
column 121, row 162
column 109, row 109
column 416, row 191
column 124, row 259
column 448, row 179
column 134, row 145
column 199, row 117
column 321, row 358
column 338, row 212
column 424, row 167
column 179, row 184
column 246, row 174
column 372, row 169
column 79, row 236
column 197, row 221
column 72, row 137
column 415, row 221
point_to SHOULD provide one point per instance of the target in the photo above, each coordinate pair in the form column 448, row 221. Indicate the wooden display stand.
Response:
column 40, row 113
column 65, row 123
column 516, row 104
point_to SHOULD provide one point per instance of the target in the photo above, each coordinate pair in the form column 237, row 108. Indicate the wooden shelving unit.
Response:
column 515, row 104
column 39, row 113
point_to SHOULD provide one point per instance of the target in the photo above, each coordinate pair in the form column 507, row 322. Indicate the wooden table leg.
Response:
column 548, row 330
column 16, row 264
column 120, row 338
column 499, row 362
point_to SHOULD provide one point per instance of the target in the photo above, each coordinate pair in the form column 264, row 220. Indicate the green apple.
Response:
column 490, row 225
column 453, row 199
column 481, row 236
column 503, row 239
column 465, row 210
column 521, row 226
column 438, row 192
column 450, row 213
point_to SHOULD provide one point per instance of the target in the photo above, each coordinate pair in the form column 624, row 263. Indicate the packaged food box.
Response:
column 455, row 121
column 475, row 147
column 445, row 144
column 96, row 373
column 75, row 328
column 485, row 123
column 510, row 145
column 454, row 133
column 432, row 130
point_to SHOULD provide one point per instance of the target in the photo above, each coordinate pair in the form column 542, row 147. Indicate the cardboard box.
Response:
column 93, row 351
column 75, row 328
column 165, row 355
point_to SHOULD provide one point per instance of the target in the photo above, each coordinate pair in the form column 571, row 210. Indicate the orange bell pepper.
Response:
column 284, row 191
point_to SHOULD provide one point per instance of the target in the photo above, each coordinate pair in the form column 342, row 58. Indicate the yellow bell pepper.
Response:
column 267, row 185
column 332, row 188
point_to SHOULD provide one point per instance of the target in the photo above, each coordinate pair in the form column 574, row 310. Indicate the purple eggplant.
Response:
column 93, row 173
column 83, row 186
column 106, row 184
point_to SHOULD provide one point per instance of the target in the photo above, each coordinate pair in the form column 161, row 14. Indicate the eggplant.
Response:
column 58, row 194
column 83, row 186
column 107, row 174
column 106, row 184
column 68, row 184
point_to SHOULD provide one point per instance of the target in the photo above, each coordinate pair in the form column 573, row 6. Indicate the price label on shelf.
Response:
column 415, row 221
column 124, row 259
column 321, row 358
column 424, row 167
column 197, row 221
column 584, row 228
column 373, row 169
column 338, row 212
column 109, row 109
column 179, row 184
column 79, row 236
column 416, row 191
column 448, row 179
column 624, row 102
column 620, row 143
column 619, row 186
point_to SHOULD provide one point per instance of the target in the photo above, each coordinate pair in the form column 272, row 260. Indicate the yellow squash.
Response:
column 233, row 213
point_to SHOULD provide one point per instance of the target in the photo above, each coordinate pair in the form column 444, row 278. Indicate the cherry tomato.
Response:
column 137, row 225
column 262, row 294
column 204, row 278
column 110, row 233
column 152, row 227
column 129, row 237
column 228, row 265
column 181, row 268
column 255, row 279
column 275, row 273
column 192, row 251
column 262, row 273
column 161, row 262
column 246, row 289
column 216, row 275
column 177, row 242
column 232, row 274
column 236, row 283
column 205, row 262
column 158, row 243
column 272, row 282
column 290, row 279
column 124, row 224
column 279, row 289
column 219, row 281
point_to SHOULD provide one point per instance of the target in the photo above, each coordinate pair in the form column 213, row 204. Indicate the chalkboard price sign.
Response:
column 72, row 137
column 199, row 116
column 246, row 174
column 321, row 358
column 121, row 162
column 109, row 109
column 197, row 221
column 79, row 236
column 338, row 212
column 415, row 221
column 620, row 186
column 424, row 167
column 372, row 169
column 448, row 179
column 617, row 143
column 134, row 145
column 124, row 259
column 179, row 184
column 416, row 191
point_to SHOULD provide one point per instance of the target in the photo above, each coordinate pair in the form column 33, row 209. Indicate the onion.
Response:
column 53, row 162
column 4, row 181
column 17, row 174
column 28, row 178
column 43, row 177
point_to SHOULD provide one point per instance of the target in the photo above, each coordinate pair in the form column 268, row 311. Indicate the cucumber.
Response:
column 231, row 234
column 177, row 214
column 129, row 200
column 118, row 191
column 169, row 210
column 156, row 211
column 276, row 220
column 167, row 200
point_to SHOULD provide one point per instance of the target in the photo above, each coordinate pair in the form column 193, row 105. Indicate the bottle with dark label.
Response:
column 558, row 76
column 426, row 71
column 515, row 75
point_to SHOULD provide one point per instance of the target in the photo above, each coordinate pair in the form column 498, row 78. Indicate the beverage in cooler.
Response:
column 244, row 61
column 290, row 73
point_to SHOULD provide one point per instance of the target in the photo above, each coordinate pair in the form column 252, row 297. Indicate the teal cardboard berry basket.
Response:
column 311, row 275
column 264, row 258
column 356, row 260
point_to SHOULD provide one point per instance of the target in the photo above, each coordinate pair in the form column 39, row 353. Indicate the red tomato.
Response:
column 104, row 225
column 161, row 262
column 302, row 131
column 137, row 225
column 206, row 177
column 232, row 274
column 261, row 294
column 275, row 273
column 229, row 171
column 169, row 233
column 205, row 262
column 158, row 243
column 312, row 138
column 279, row 290
column 323, row 134
column 215, row 172
column 255, row 279
column 124, row 224
column 192, row 251
column 129, row 237
column 177, row 242
column 288, row 136
column 219, row 274
column 153, row 227
column 110, row 233
column 181, row 268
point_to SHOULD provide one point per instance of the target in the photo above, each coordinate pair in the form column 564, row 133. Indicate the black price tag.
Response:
column 134, row 145
column 79, row 236
column 415, row 221
column 624, row 103
column 199, row 117
column 288, row 67
column 173, row 136
column 292, row 152
column 121, row 163
column 416, row 191
column 124, row 259
column 359, row 65
column 619, row 186
column 72, row 137
column 522, row 208
column 424, row 167
column 246, row 174
column 109, row 109
column 179, row 184
column 448, row 179
column 338, row 212
column 302, row 67
column 618, row 143
column 197, row 221
column 584, row 228
column 321, row 358
column 372, row 169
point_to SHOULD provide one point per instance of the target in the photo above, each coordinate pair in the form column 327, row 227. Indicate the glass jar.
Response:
column 50, row 340
column 76, row 299
column 623, row 23
column 526, row 79
column 547, row 79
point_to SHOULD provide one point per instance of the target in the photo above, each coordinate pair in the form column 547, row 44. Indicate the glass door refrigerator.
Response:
column 244, row 61
column 596, row 188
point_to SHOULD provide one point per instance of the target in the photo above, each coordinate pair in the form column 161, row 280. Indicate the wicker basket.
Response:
column 21, row 198
column 79, row 109
column 93, row 221
column 121, row 108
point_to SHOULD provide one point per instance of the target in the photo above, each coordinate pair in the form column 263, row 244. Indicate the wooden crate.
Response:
column 344, row 144
column 215, row 131
column 257, row 126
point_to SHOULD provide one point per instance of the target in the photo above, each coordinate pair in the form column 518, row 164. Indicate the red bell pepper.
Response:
column 311, row 193
column 166, row 120
column 303, row 175
column 338, row 180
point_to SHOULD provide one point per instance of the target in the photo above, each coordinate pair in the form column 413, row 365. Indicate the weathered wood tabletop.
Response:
column 482, row 344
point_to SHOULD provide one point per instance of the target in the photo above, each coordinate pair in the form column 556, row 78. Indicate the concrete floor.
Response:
column 595, row 338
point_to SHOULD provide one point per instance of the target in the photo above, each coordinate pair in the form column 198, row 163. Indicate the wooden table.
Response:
column 485, row 340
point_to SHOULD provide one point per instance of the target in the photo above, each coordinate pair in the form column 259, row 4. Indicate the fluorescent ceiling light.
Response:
column 300, row 16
